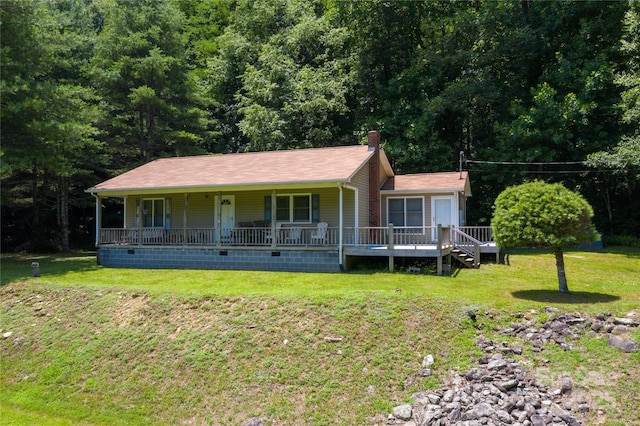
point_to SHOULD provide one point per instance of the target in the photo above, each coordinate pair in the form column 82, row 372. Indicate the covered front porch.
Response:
column 313, row 247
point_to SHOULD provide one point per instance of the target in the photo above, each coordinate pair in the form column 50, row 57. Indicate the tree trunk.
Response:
column 63, row 212
column 562, row 277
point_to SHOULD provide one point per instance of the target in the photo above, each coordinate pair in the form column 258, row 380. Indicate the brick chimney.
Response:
column 373, row 138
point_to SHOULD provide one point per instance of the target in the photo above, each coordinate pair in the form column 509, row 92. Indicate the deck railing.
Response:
column 480, row 233
column 290, row 235
column 249, row 236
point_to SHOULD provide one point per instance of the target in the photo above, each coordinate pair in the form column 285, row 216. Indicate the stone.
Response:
column 623, row 344
column 503, row 416
column 470, row 415
column 254, row 421
column 434, row 399
column 537, row 420
column 566, row 385
column 403, row 412
column 621, row 329
column 448, row 396
column 484, row 410
column 629, row 322
column 427, row 361
column 455, row 414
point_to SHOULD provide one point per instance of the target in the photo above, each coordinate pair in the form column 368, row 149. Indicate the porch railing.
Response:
column 480, row 233
column 250, row 236
column 290, row 235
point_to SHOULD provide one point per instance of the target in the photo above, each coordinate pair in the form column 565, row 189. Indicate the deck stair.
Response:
column 464, row 258
column 466, row 249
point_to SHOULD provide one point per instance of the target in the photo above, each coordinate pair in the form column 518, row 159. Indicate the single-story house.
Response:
column 291, row 210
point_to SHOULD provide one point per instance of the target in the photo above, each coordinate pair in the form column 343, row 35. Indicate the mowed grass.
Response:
column 93, row 345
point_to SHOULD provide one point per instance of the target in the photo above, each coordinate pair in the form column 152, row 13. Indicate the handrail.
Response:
column 464, row 241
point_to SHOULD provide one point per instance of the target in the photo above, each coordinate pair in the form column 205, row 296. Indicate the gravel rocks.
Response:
column 499, row 391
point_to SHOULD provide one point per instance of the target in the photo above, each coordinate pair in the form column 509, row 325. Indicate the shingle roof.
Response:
column 315, row 165
column 440, row 181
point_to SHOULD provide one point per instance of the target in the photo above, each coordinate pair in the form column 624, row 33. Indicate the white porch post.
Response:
column 184, row 219
column 98, row 218
column 274, row 237
column 141, row 218
column 340, row 225
column 219, row 219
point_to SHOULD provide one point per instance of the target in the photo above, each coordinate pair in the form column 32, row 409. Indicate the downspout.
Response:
column 340, row 226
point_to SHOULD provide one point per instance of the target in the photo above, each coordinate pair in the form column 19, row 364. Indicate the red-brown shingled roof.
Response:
column 440, row 181
column 255, row 168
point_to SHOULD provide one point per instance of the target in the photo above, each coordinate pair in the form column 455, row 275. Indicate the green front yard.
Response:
column 90, row 345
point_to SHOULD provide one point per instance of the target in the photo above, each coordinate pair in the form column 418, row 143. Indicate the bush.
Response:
column 622, row 240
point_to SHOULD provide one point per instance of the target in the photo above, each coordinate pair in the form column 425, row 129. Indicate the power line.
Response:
column 524, row 163
column 534, row 172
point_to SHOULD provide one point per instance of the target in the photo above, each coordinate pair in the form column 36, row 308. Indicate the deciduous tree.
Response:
column 538, row 214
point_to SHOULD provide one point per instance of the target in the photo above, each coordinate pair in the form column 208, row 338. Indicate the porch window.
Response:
column 290, row 208
column 406, row 211
column 153, row 213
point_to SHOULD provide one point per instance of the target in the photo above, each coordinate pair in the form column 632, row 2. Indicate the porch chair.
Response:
column 269, row 237
column 319, row 236
column 293, row 236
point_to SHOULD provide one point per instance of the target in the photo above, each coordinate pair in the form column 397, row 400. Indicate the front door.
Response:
column 226, row 215
column 442, row 209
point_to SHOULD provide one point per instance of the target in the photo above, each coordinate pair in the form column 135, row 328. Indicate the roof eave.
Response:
column 211, row 188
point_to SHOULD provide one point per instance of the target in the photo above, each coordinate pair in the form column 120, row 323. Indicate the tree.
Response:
column 281, row 78
column 142, row 73
column 539, row 214
column 48, row 115
column 620, row 165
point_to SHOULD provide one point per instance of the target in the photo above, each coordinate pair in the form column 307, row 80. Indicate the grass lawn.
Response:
column 93, row 345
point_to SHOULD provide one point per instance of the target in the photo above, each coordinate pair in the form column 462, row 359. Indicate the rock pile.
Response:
column 499, row 391
column 565, row 329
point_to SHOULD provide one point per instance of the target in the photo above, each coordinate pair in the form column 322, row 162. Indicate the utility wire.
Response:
column 523, row 163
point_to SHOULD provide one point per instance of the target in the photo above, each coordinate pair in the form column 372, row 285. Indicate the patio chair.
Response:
column 293, row 236
column 319, row 236
column 269, row 237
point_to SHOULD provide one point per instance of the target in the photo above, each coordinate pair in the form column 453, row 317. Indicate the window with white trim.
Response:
column 153, row 210
column 294, row 208
column 408, row 211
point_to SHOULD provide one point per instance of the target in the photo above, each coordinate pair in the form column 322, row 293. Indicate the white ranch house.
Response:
column 291, row 210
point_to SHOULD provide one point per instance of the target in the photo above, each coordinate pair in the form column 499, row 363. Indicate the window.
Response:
column 282, row 208
column 301, row 208
column 153, row 213
column 406, row 211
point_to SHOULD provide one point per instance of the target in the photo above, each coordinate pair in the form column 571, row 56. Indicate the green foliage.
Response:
column 282, row 77
column 622, row 240
column 538, row 214
column 141, row 66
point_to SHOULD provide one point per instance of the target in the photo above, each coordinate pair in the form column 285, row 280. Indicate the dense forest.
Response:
column 527, row 89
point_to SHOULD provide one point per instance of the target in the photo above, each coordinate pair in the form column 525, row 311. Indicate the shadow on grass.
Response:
column 554, row 296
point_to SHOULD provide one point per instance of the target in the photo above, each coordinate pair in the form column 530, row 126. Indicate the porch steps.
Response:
column 464, row 258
